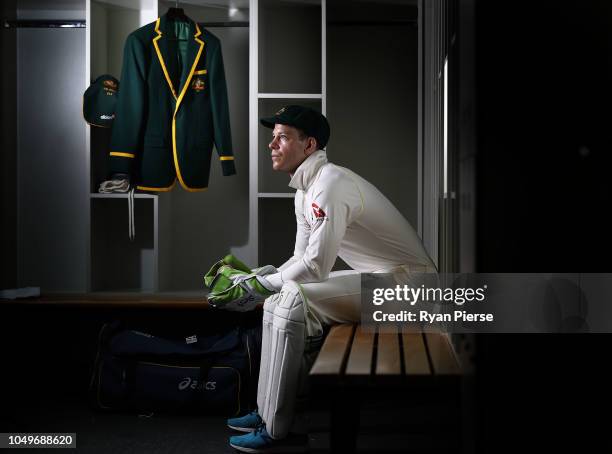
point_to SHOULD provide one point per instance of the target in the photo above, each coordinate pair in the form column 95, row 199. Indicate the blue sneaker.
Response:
column 259, row 441
column 246, row 423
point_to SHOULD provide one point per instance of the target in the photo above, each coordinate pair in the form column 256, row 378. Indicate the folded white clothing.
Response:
column 109, row 186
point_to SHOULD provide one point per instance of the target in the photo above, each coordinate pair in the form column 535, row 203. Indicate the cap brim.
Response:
column 276, row 120
column 268, row 122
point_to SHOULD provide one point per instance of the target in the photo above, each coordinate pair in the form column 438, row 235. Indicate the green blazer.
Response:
column 172, row 108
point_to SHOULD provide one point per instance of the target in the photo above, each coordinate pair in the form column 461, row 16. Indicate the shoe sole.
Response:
column 242, row 449
column 273, row 449
column 241, row 429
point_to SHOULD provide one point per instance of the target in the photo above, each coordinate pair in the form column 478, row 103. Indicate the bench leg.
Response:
column 344, row 421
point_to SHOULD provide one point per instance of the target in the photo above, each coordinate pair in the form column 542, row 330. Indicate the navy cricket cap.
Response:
column 99, row 101
column 308, row 120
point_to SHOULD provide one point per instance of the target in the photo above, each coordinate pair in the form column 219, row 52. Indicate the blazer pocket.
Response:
column 199, row 81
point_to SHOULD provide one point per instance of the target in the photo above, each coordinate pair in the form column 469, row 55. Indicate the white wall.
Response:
column 372, row 105
column 52, row 164
column 8, row 156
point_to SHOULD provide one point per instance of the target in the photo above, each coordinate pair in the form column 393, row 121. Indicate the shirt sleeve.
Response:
column 335, row 207
column 301, row 241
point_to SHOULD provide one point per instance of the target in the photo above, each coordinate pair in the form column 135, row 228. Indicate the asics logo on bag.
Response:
column 189, row 383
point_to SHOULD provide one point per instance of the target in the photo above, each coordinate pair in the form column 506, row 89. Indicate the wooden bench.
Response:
column 117, row 300
column 355, row 362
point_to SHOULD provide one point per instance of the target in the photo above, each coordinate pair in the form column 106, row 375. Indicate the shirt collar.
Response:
column 306, row 173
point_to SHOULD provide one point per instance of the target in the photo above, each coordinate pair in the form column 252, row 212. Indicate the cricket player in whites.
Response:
column 338, row 213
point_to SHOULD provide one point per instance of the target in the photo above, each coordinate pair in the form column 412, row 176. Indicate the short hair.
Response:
column 303, row 136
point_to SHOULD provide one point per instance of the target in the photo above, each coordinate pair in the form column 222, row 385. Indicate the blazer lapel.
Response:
column 165, row 55
column 194, row 52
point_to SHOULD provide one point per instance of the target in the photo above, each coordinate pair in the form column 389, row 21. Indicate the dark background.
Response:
column 543, row 78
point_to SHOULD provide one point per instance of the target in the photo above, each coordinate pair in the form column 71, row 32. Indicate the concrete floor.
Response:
column 382, row 430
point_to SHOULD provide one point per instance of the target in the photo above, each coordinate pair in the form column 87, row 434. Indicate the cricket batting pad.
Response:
column 283, row 341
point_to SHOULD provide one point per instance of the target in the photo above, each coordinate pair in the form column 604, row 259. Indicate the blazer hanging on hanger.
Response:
column 172, row 107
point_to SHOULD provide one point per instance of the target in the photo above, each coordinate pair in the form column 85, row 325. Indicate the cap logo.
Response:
column 280, row 111
column 110, row 87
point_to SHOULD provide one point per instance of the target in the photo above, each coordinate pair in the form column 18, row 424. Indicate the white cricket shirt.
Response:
column 339, row 213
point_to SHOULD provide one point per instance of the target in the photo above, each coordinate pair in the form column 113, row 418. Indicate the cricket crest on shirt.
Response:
column 318, row 212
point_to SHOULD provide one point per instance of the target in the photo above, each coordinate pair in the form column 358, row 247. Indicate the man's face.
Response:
column 288, row 150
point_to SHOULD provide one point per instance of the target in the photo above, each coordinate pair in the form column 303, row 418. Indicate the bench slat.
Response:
column 415, row 355
column 440, row 352
column 334, row 350
column 388, row 361
column 360, row 359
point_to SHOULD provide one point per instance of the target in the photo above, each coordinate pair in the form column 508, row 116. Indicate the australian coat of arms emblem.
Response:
column 197, row 84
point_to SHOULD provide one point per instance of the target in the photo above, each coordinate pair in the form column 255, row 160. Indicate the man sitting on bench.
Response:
column 338, row 214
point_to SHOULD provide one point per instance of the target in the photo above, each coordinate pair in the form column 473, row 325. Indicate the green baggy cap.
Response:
column 313, row 123
column 99, row 101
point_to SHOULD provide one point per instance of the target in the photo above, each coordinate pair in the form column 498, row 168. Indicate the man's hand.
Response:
column 264, row 270
column 233, row 286
column 246, row 291
column 227, row 261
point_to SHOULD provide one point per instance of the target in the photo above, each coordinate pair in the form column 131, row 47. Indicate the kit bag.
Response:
column 138, row 371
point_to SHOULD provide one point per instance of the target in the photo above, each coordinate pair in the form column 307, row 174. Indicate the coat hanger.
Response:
column 177, row 13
